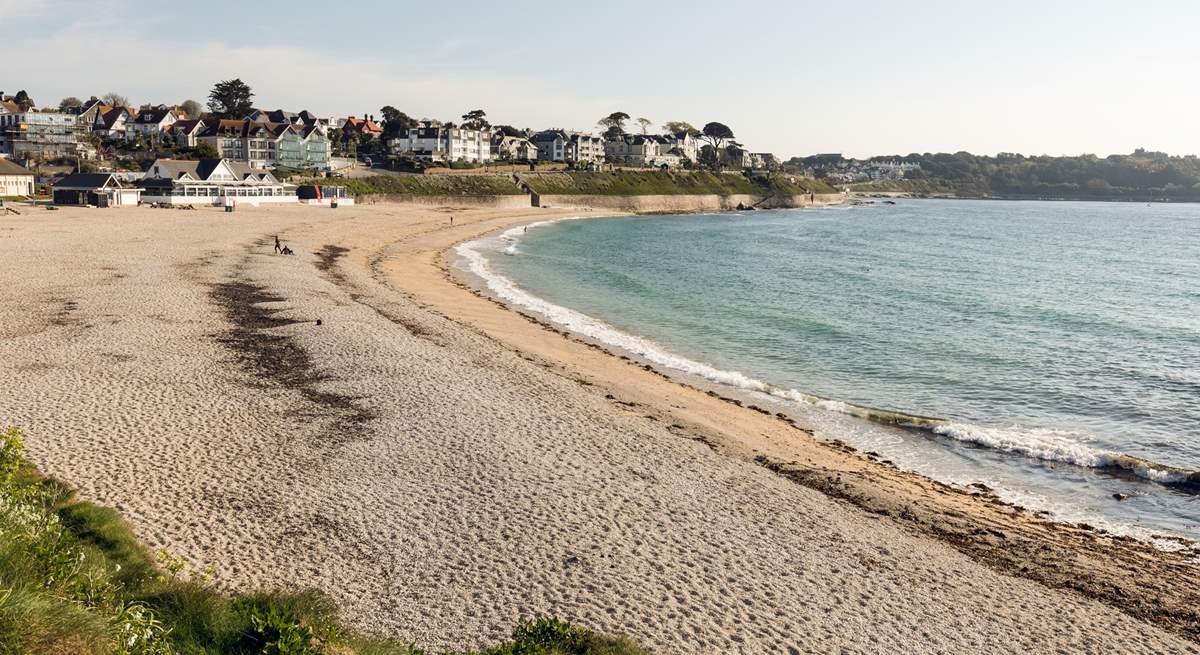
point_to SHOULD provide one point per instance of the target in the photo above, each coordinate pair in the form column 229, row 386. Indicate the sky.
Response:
column 788, row 76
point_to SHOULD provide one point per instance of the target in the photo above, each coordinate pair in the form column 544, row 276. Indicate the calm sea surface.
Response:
column 1057, row 345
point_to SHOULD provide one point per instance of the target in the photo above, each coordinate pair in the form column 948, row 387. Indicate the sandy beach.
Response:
column 441, row 466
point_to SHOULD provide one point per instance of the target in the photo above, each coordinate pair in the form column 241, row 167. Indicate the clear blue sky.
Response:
column 788, row 76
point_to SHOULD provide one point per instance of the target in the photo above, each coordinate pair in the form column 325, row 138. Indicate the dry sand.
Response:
column 441, row 466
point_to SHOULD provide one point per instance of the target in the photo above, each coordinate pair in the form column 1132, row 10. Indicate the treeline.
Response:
column 1142, row 175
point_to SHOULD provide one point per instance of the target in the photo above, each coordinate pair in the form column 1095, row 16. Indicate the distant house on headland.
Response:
column 211, row 182
column 15, row 180
column 99, row 189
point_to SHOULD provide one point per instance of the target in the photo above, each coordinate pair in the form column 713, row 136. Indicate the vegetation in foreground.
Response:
column 74, row 579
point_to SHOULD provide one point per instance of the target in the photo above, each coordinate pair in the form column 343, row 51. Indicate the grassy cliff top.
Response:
column 615, row 183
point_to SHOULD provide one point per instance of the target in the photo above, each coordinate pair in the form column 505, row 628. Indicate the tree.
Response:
column 645, row 123
column 231, row 99
column 679, row 127
column 113, row 99
column 206, row 151
column 395, row 120
column 69, row 102
column 717, row 135
column 475, row 119
column 614, row 122
column 191, row 108
column 23, row 100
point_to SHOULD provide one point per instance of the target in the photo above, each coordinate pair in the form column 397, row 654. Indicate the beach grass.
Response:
column 75, row 579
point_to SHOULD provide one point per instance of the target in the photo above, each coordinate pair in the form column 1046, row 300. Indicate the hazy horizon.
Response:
column 1050, row 78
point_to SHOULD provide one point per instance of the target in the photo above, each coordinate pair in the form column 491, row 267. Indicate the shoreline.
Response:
column 353, row 420
column 688, row 371
column 974, row 521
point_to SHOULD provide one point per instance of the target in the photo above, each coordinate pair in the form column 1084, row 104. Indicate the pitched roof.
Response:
column 88, row 181
column 110, row 115
column 9, row 168
column 184, row 126
column 549, row 135
column 11, row 107
column 361, row 125
column 200, row 170
column 151, row 116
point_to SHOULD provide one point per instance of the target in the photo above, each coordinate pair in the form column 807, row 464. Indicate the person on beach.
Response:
column 451, row 219
column 278, row 248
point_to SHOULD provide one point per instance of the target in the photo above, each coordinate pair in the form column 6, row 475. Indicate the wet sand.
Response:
column 442, row 466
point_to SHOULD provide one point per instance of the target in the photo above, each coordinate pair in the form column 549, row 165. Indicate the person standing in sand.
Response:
column 278, row 248
column 452, row 220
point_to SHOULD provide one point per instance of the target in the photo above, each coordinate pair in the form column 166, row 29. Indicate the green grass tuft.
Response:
column 75, row 580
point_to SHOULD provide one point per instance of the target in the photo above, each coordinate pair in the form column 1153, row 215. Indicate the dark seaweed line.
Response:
column 278, row 359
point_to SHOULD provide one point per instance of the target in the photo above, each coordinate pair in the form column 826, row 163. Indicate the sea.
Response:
column 1047, row 350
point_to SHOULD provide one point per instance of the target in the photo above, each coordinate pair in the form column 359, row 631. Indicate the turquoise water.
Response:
column 1057, row 344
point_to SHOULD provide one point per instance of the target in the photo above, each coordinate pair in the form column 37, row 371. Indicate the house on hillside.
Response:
column 15, row 180
column 184, row 132
column 361, row 127
column 649, row 150
column 150, row 122
column 513, row 148
column 108, row 121
column 267, row 145
column 42, row 135
column 303, row 147
column 575, row 148
column 98, row 189
column 211, row 182
column 305, row 118
column 551, row 145
column 5, row 108
column 683, row 144
column 434, row 141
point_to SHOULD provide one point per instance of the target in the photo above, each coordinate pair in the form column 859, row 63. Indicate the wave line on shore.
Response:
column 1040, row 444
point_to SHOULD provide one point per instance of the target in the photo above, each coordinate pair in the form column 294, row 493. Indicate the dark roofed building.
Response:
column 99, row 189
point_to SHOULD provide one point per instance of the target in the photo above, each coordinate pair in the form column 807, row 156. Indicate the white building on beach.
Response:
column 212, row 182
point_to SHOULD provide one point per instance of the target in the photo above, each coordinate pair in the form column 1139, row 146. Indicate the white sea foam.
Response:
column 1059, row 446
column 1043, row 444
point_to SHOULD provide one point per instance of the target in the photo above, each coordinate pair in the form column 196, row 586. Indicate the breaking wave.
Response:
column 1042, row 444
